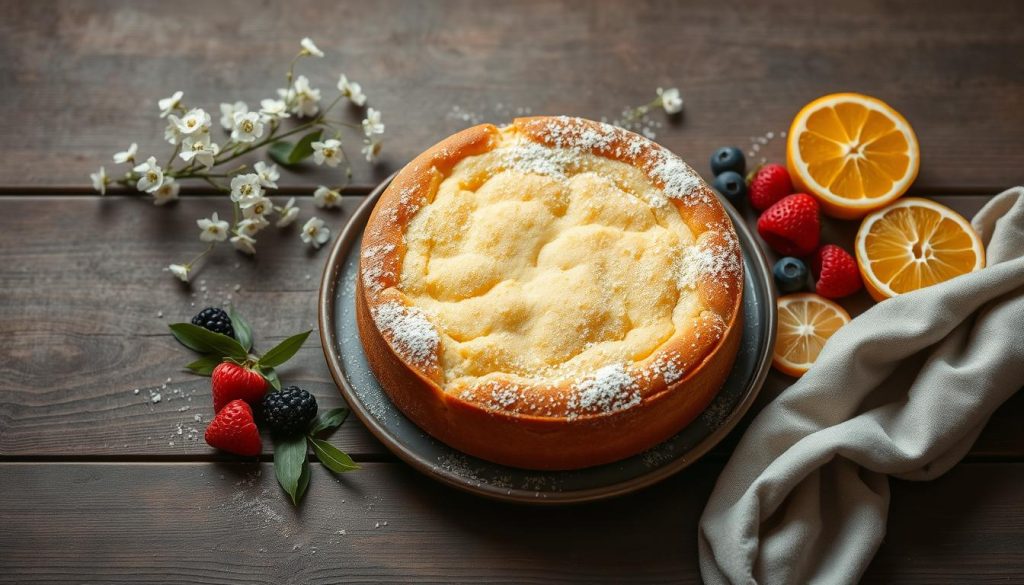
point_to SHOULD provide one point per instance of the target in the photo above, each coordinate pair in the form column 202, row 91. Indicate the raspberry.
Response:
column 836, row 271
column 234, row 431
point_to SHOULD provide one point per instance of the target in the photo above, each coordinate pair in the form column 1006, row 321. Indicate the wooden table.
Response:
column 99, row 483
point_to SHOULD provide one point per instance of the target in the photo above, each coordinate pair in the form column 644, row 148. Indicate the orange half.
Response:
column 806, row 322
column 853, row 152
column 914, row 243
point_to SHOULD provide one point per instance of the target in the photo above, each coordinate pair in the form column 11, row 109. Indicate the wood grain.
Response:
column 205, row 523
column 84, row 318
column 84, row 77
column 82, row 286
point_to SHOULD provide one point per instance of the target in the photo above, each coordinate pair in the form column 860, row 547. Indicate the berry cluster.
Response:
column 241, row 381
column 789, row 223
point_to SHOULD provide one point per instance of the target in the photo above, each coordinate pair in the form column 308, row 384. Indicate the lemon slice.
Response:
column 806, row 322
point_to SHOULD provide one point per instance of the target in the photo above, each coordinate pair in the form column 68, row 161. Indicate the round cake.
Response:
column 554, row 294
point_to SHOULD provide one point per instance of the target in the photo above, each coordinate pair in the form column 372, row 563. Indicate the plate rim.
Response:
column 328, row 340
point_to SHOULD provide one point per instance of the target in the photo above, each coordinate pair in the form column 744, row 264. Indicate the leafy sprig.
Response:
column 217, row 348
column 291, row 454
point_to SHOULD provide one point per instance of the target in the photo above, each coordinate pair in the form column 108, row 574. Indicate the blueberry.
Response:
column 790, row 274
column 732, row 185
column 728, row 158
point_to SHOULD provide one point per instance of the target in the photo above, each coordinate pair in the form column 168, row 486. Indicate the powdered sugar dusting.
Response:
column 373, row 271
column 610, row 389
column 677, row 178
column 410, row 331
column 530, row 157
column 717, row 261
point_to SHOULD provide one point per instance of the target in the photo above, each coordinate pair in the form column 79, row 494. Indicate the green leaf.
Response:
column 270, row 375
column 283, row 351
column 279, row 152
column 329, row 420
column 300, row 490
column 304, row 147
column 288, row 154
column 332, row 457
column 204, row 366
column 187, row 340
column 289, row 460
column 243, row 332
column 205, row 341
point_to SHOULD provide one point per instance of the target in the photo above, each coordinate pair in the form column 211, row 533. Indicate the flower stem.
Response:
column 200, row 256
column 268, row 140
column 170, row 161
column 207, row 178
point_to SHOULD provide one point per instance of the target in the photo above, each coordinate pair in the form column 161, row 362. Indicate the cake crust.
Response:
column 571, row 422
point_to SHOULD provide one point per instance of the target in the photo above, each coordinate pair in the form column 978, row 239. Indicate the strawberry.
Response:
column 234, row 431
column 769, row 184
column 836, row 271
column 232, row 381
column 791, row 226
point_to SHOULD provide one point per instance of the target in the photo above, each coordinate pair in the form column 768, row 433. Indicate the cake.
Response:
column 554, row 294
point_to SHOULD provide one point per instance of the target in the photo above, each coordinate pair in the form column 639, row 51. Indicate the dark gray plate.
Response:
column 351, row 372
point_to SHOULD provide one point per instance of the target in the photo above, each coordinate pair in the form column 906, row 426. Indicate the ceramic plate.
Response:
column 352, row 373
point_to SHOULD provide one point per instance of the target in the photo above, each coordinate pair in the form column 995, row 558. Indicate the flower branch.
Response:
column 197, row 156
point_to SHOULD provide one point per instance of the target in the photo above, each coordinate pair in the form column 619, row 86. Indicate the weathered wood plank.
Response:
column 84, row 77
column 82, row 290
column 219, row 523
column 84, row 318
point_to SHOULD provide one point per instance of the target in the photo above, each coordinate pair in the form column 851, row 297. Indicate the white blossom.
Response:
column 200, row 149
column 251, row 226
column 268, row 174
column 315, row 233
column 288, row 214
column 248, row 127
column 151, row 176
column 257, row 207
column 273, row 109
column 303, row 99
column 100, row 180
column 195, row 121
column 352, row 91
column 372, row 124
column 228, row 111
column 213, row 229
column 180, row 270
column 325, row 198
column 371, row 149
column 126, row 156
column 244, row 243
column 171, row 132
column 308, row 48
column 169, row 104
column 245, row 188
column 167, row 192
column 671, row 100
column 328, row 151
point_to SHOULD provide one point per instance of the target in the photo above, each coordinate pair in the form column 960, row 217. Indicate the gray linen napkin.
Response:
column 903, row 390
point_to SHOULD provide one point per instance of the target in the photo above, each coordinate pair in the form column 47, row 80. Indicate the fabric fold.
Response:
column 903, row 390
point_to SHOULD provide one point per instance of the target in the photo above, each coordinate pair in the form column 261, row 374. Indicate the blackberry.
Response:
column 214, row 319
column 289, row 410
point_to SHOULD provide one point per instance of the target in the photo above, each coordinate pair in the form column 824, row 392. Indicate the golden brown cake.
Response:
column 555, row 294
